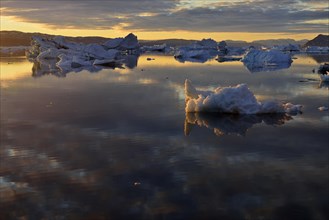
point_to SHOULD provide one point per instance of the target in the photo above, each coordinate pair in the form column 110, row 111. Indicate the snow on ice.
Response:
column 234, row 100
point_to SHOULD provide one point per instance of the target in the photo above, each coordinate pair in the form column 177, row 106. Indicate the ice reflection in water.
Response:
column 265, row 68
column 111, row 146
column 48, row 67
column 231, row 124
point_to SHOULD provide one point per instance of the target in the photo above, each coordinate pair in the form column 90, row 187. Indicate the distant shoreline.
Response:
column 17, row 38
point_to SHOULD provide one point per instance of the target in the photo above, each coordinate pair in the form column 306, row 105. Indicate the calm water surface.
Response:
column 117, row 144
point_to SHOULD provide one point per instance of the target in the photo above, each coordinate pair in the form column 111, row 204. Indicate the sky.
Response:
column 163, row 19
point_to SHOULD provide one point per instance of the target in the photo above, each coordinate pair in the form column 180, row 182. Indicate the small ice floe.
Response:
column 233, row 100
column 258, row 60
column 323, row 108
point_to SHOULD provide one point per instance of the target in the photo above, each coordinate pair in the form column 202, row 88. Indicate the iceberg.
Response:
column 258, row 60
column 323, row 108
column 200, row 51
column 69, row 55
column 233, row 100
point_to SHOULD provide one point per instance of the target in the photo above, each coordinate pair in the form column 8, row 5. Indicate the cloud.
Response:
column 291, row 16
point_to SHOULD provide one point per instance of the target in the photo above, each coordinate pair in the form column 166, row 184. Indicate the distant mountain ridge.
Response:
column 17, row 38
column 321, row 41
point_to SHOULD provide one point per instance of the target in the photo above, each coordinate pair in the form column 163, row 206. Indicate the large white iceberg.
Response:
column 234, row 100
column 259, row 60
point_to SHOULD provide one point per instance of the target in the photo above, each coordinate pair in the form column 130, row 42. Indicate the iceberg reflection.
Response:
column 49, row 67
column 231, row 124
column 196, row 59
column 253, row 68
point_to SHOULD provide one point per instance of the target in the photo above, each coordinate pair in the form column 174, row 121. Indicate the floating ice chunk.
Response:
column 292, row 109
column 233, row 100
column 270, row 57
column 323, row 108
column 258, row 60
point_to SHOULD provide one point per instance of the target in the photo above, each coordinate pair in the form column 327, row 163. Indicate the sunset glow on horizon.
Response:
column 155, row 20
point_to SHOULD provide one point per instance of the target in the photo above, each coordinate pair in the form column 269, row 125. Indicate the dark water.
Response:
column 117, row 144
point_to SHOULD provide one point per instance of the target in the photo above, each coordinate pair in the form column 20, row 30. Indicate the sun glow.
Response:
column 12, row 23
